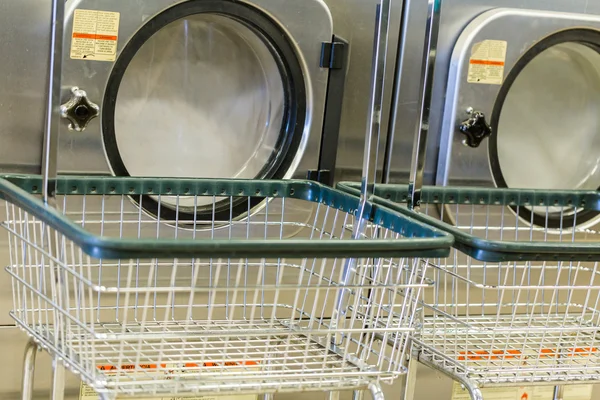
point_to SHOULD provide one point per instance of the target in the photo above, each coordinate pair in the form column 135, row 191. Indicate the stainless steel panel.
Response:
column 458, row 163
column 354, row 20
column 24, row 85
column 455, row 15
column 23, row 77
column 81, row 152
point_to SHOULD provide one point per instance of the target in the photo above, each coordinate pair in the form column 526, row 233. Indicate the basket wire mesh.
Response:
column 140, row 304
column 518, row 300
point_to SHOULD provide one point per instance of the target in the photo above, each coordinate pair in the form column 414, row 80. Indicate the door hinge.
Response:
column 322, row 176
column 333, row 55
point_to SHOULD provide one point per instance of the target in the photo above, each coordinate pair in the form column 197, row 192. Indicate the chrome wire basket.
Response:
column 141, row 302
column 518, row 300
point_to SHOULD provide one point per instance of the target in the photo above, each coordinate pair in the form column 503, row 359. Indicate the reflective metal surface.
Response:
column 455, row 15
column 23, row 82
column 458, row 163
column 226, row 142
column 24, row 77
column 354, row 21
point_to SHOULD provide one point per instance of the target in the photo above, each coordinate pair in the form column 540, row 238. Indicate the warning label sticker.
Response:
column 87, row 393
column 580, row 392
column 486, row 64
column 95, row 35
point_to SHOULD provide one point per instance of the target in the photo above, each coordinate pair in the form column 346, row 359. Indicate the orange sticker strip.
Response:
column 512, row 354
column 93, row 36
column 486, row 355
column 164, row 366
column 487, row 62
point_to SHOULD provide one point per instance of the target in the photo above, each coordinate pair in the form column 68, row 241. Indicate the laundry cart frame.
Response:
column 101, row 305
column 515, row 303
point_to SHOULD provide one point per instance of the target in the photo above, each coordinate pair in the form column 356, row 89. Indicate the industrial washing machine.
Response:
column 513, row 96
column 513, row 100
column 552, row 51
column 520, row 104
column 211, row 88
column 532, row 92
column 198, row 88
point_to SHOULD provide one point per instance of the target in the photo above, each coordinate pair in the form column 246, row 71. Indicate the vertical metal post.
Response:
column 49, row 157
column 333, row 395
column 358, row 395
column 410, row 379
column 369, row 161
column 370, row 156
column 559, row 393
column 28, row 370
column 420, row 143
column 50, row 154
column 58, row 380
column 397, row 87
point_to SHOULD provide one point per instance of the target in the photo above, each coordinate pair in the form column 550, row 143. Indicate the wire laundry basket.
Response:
column 518, row 301
column 138, row 303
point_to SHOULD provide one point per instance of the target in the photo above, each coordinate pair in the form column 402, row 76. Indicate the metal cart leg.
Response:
column 410, row 379
column 471, row 387
column 267, row 396
column 376, row 391
column 28, row 370
column 58, row 380
column 333, row 396
column 559, row 392
column 358, row 395
column 473, row 390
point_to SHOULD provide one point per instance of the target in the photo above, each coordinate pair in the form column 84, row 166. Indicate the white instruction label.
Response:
column 486, row 64
column 578, row 392
column 95, row 35
column 87, row 393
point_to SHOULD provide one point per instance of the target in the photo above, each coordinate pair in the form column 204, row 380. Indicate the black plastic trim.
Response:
column 337, row 61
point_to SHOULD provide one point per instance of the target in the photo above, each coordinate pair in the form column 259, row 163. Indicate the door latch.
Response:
column 79, row 110
column 475, row 128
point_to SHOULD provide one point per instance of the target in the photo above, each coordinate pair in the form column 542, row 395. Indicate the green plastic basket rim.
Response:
column 394, row 196
column 420, row 239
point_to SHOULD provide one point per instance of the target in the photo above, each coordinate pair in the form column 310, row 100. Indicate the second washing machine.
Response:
column 520, row 111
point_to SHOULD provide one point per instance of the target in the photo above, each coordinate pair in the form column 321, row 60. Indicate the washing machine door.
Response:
column 199, row 88
column 522, row 106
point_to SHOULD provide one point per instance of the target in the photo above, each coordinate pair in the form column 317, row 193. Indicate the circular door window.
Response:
column 547, row 124
column 209, row 89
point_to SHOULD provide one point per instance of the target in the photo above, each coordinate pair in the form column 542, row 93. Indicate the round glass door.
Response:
column 201, row 93
column 547, row 125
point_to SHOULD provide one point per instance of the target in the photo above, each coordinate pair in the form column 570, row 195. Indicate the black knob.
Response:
column 79, row 110
column 476, row 129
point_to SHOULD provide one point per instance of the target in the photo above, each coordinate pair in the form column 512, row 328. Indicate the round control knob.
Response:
column 475, row 128
column 79, row 110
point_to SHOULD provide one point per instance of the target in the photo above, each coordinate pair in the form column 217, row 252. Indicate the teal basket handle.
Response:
column 395, row 197
column 426, row 240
